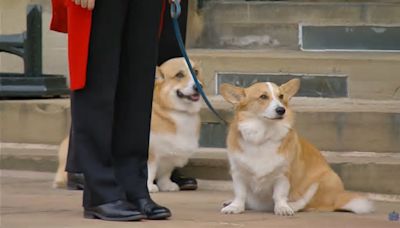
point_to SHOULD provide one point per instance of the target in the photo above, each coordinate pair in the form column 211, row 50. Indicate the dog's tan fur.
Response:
column 299, row 178
column 175, row 126
column 60, row 180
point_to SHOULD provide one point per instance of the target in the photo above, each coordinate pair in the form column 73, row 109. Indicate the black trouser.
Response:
column 168, row 45
column 168, row 48
column 111, row 115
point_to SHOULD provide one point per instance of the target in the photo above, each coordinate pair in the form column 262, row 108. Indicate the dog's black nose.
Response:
column 280, row 110
column 195, row 88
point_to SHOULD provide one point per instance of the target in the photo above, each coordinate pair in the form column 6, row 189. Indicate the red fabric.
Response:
column 68, row 17
column 79, row 27
column 163, row 9
column 59, row 18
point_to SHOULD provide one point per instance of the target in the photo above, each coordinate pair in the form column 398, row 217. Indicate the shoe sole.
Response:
column 159, row 216
column 76, row 187
column 94, row 215
column 188, row 187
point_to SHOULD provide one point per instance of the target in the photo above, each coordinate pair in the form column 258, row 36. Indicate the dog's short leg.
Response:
column 151, row 175
column 166, row 185
column 305, row 199
column 164, row 179
column 280, row 197
column 238, row 203
column 61, row 178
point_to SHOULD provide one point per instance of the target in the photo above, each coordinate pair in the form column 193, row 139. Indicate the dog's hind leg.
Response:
column 164, row 177
column 151, row 173
column 305, row 199
column 61, row 177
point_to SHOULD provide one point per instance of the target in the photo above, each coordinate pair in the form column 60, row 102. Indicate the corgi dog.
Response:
column 175, row 126
column 272, row 167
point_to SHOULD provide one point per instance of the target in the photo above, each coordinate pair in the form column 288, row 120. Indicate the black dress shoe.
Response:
column 152, row 210
column 184, row 183
column 115, row 211
column 75, row 181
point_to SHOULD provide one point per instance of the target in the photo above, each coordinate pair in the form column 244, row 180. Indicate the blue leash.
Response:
column 175, row 13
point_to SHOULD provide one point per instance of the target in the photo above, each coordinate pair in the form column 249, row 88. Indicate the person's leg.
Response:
column 133, row 104
column 133, row 100
column 168, row 48
column 72, row 159
column 75, row 178
column 93, row 107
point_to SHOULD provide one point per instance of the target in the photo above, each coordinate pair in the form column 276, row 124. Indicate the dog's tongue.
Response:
column 195, row 97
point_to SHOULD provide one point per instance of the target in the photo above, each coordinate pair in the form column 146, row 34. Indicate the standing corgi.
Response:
column 175, row 125
column 272, row 167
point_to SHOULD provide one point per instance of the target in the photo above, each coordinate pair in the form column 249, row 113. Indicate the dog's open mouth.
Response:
column 193, row 97
column 275, row 118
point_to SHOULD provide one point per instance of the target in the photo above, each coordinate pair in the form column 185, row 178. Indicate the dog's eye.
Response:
column 264, row 97
column 180, row 75
column 281, row 96
column 196, row 72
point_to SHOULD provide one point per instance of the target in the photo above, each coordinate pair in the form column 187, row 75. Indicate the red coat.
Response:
column 68, row 17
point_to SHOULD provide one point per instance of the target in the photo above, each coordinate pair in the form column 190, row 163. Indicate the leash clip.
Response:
column 175, row 8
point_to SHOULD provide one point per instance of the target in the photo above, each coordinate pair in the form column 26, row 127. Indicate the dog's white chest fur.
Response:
column 179, row 145
column 259, row 164
column 260, row 147
column 260, row 161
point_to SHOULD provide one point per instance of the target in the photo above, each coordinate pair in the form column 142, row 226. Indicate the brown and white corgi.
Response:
column 272, row 167
column 175, row 126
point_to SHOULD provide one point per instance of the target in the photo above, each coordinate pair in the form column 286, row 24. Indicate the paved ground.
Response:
column 28, row 201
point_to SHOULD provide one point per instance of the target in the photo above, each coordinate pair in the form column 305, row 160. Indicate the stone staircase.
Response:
column 349, row 106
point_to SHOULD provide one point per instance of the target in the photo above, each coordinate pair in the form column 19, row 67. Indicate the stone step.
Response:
column 329, row 1
column 45, row 121
column 339, row 124
column 331, row 124
column 25, row 156
column 274, row 24
column 367, row 75
column 360, row 171
column 306, row 12
column 251, row 36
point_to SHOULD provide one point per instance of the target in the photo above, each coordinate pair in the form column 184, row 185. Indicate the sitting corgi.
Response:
column 175, row 126
column 272, row 167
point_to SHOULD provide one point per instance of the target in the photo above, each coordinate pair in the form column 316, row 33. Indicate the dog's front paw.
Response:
column 168, row 187
column 226, row 203
column 232, row 209
column 283, row 210
column 153, row 188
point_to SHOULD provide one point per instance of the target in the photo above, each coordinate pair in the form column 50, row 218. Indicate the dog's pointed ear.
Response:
column 159, row 74
column 290, row 88
column 232, row 94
